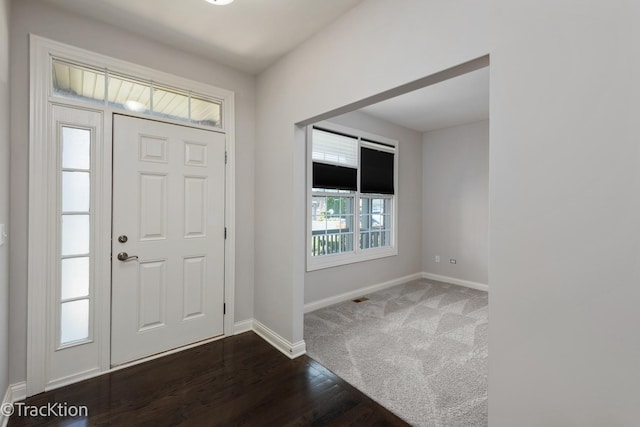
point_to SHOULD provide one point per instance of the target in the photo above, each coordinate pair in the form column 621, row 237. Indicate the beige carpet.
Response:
column 419, row 349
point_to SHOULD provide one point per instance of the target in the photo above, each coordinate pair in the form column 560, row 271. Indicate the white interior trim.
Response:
column 18, row 391
column 291, row 350
column 15, row 393
column 72, row 379
column 6, row 401
column 41, row 231
column 38, row 232
column 243, row 326
column 326, row 302
column 454, row 281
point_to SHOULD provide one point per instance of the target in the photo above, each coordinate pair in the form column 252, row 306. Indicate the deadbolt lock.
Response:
column 123, row 239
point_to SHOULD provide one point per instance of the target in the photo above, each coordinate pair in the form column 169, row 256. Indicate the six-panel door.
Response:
column 168, row 218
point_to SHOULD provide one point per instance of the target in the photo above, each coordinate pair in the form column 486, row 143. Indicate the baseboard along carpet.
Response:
column 420, row 349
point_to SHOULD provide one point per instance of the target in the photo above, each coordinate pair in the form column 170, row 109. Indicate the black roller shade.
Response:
column 334, row 177
column 376, row 171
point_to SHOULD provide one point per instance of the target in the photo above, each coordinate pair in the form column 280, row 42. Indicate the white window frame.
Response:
column 61, row 117
column 42, row 243
column 357, row 255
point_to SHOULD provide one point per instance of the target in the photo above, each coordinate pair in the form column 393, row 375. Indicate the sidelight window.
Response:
column 75, row 234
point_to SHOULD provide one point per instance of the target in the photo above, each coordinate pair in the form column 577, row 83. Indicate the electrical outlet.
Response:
column 453, row 261
column 437, row 258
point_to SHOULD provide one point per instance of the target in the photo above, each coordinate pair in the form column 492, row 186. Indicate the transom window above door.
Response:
column 84, row 83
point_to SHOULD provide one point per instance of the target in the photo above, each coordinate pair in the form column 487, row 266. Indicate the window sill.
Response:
column 329, row 261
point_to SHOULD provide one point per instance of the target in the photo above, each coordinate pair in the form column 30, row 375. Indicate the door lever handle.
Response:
column 123, row 256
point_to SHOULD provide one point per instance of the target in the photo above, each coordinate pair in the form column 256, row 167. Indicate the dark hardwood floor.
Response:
column 240, row 380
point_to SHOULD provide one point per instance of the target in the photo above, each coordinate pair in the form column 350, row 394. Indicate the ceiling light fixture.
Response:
column 219, row 2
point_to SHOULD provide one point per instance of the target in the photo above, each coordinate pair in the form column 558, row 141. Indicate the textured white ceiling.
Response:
column 248, row 34
column 464, row 99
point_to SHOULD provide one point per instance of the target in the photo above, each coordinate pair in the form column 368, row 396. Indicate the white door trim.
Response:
column 41, row 275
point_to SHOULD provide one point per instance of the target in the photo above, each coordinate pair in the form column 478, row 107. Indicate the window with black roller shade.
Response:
column 334, row 177
column 376, row 168
column 352, row 203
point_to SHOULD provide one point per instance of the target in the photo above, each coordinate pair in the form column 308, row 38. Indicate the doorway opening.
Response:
column 424, row 330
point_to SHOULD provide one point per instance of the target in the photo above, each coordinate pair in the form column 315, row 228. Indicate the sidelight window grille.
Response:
column 75, row 234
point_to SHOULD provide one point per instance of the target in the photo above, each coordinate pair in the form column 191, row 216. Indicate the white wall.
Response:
column 342, row 64
column 28, row 16
column 4, row 193
column 455, row 203
column 329, row 282
column 564, row 263
column 564, row 258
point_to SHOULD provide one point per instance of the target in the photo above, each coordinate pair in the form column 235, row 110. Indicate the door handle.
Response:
column 123, row 256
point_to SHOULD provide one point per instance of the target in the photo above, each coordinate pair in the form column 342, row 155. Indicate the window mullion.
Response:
column 356, row 227
column 106, row 88
column 356, row 234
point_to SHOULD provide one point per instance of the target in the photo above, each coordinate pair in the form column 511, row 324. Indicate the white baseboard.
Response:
column 14, row 393
column 243, row 326
column 284, row 346
column 291, row 350
column 453, row 280
column 72, row 379
column 18, row 391
column 316, row 305
column 5, row 402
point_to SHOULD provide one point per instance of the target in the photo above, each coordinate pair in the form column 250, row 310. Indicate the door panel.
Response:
column 168, row 200
column 194, row 269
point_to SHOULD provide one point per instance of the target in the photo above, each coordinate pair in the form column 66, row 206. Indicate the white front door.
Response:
column 168, row 218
